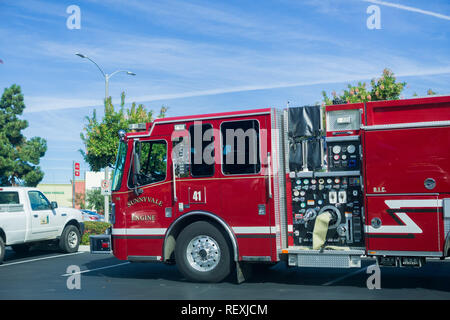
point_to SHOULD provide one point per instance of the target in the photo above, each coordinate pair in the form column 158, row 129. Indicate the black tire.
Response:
column 2, row 250
column 70, row 239
column 21, row 248
column 208, row 258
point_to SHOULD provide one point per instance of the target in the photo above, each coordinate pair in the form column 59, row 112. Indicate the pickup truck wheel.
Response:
column 21, row 248
column 202, row 253
column 70, row 239
column 2, row 250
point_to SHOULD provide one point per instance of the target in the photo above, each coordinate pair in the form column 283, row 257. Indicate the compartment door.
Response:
column 406, row 223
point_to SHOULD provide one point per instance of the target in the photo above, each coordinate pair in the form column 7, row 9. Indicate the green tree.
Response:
column 431, row 92
column 384, row 88
column 100, row 137
column 19, row 157
column 95, row 200
column 80, row 200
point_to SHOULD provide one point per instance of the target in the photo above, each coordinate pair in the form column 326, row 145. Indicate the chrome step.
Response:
column 305, row 257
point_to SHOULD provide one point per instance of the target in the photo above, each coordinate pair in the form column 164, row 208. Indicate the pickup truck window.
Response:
column 38, row 201
column 9, row 197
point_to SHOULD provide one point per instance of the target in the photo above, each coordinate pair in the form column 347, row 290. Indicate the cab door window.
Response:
column 240, row 147
column 38, row 201
column 202, row 150
column 152, row 163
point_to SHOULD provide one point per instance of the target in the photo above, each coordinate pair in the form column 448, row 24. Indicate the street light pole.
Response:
column 107, row 77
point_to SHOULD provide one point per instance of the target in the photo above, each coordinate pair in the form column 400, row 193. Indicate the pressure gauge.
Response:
column 337, row 149
column 351, row 149
column 296, row 193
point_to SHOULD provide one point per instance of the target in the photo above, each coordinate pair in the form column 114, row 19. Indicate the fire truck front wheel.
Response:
column 202, row 253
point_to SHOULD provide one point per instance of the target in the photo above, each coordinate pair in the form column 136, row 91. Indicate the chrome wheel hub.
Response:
column 203, row 253
column 72, row 239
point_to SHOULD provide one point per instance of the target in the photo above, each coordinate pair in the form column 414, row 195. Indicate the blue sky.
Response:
column 208, row 56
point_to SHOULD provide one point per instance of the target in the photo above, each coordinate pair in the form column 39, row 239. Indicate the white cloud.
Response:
column 408, row 8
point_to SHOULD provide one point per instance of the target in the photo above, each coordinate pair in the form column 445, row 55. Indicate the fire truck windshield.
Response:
column 119, row 168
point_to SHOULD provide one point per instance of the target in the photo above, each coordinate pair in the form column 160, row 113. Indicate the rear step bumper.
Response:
column 100, row 243
column 324, row 259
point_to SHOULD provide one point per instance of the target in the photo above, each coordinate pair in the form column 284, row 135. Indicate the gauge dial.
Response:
column 351, row 149
column 337, row 149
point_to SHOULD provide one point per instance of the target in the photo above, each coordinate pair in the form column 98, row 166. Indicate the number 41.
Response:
column 197, row 196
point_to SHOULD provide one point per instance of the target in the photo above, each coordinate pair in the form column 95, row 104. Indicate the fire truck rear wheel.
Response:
column 202, row 253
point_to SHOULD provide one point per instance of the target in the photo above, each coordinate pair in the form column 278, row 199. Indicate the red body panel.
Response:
column 399, row 161
column 408, row 111
column 408, row 223
column 405, row 142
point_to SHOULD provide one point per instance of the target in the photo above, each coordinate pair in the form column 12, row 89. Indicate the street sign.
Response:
column 76, row 168
column 106, row 187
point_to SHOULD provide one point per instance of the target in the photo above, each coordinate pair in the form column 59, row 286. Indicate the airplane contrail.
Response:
column 407, row 8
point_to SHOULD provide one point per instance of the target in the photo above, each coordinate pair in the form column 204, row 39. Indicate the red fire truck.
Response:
column 214, row 193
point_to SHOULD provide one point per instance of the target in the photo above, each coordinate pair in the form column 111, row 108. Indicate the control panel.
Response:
column 344, row 153
column 338, row 195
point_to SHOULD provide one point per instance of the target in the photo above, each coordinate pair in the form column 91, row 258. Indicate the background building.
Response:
column 62, row 193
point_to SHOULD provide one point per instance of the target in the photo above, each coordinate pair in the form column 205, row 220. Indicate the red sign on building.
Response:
column 77, row 169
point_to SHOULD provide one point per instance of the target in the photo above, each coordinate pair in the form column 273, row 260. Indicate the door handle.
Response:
column 174, row 183
column 269, row 174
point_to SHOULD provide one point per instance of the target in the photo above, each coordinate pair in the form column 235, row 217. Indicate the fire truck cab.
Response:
column 215, row 192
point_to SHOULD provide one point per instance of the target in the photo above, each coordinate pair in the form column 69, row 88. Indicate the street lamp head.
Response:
column 80, row 55
column 131, row 73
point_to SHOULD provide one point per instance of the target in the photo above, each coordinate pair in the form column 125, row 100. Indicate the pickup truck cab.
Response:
column 27, row 217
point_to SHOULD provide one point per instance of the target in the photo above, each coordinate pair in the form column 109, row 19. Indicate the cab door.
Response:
column 149, row 201
column 44, row 222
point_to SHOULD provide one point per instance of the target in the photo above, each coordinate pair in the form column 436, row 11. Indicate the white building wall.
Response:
column 93, row 180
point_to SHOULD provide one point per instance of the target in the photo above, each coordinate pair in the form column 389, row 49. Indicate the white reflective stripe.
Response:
column 409, row 227
column 290, row 228
column 397, row 204
column 139, row 231
column 407, row 125
column 254, row 230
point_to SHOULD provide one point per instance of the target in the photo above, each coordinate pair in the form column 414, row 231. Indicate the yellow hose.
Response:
column 320, row 230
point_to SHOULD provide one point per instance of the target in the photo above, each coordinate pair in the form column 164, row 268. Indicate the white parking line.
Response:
column 44, row 258
column 348, row 275
column 89, row 270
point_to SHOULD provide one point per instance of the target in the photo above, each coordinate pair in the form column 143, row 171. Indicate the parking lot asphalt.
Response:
column 43, row 274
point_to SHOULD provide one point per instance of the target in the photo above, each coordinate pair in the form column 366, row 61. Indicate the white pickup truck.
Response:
column 27, row 218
